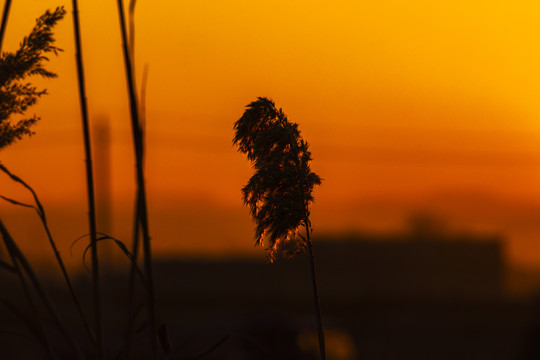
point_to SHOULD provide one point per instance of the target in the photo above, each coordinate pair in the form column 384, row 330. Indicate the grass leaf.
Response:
column 122, row 247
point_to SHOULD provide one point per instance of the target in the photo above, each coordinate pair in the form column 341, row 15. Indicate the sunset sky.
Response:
column 409, row 106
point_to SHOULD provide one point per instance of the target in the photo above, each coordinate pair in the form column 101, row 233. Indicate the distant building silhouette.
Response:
column 395, row 295
column 411, row 266
column 358, row 267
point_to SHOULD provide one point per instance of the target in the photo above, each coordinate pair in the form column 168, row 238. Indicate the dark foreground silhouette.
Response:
column 386, row 297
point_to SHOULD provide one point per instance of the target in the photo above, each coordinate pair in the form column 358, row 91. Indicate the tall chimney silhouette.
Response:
column 102, row 174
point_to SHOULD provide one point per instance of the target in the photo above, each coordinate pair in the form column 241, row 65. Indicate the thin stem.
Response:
column 89, row 183
column 5, row 16
column 142, row 105
column 131, row 20
column 307, row 223
column 40, row 210
column 132, row 273
column 68, row 283
column 17, row 253
column 44, row 339
column 316, row 297
column 136, row 223
column 141, row 190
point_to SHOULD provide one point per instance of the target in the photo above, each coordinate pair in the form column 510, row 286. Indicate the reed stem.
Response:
column 316, row 298
column 141, row 189
column 5, row 16
column 19, row 256
column 44, row 339
column 41, row 213
column 89, row 183
column 132, row 273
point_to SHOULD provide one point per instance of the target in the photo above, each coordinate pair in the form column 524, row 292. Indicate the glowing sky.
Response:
column 408, row 106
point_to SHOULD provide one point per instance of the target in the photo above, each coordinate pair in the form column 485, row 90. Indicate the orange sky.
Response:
column 408, row 106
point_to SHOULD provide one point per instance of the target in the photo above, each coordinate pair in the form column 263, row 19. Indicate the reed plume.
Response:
column 16, row 95
column 281, row 189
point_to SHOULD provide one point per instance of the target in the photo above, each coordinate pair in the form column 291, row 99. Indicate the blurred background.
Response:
column 423, row 122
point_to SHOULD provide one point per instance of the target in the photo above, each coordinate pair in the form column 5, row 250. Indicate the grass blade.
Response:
column 19, row 259
column 124, row 249
column 6, row 266
column 41, row 213
column 15, row 202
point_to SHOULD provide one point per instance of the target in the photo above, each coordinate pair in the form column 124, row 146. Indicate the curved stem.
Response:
column 40, row 210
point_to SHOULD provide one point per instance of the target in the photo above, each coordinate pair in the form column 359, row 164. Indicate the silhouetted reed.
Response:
column 142, row 209
column 90, row 187
column 3, row 25
column 280, row 191
column 38, row 207
column 16, row 98
column 28, row 60
column 22, row 266
column 162, row 336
